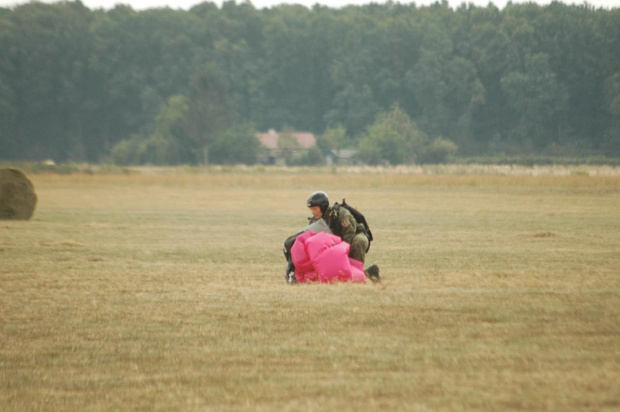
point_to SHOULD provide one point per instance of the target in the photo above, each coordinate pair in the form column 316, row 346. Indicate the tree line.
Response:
column 398, row 82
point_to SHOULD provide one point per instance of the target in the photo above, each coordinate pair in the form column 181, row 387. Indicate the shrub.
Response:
column 125, row 152
column 235, row 145
column 439, row 151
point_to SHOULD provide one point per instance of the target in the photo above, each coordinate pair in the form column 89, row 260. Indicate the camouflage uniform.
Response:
column 343, row 224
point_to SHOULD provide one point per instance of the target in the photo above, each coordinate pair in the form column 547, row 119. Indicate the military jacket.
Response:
column 342, row 222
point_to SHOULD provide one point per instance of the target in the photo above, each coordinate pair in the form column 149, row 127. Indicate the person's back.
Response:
column 343, row 224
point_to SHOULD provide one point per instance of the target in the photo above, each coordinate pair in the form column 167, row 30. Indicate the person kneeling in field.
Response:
column 340, row 221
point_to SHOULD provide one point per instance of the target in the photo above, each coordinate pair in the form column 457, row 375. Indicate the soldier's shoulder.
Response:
column 343, row 212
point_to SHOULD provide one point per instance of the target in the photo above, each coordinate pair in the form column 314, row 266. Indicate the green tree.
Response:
column 492, row 55
column 45, row 78
column 150, row 57
column 294, row 85
column 235, row 145
column 393, row 138
column 74, row 82
column 538, row 101
column 446, row 87
column 168, row 144
column 336, row 138
column 354, row 104
column 209, row 110
column 612, row 103
column 171, row 130
column 236, row 39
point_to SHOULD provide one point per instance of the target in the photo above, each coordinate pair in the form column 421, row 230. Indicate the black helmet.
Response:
column 318, row 199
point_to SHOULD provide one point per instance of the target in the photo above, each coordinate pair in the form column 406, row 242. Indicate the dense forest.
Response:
column 176, row 86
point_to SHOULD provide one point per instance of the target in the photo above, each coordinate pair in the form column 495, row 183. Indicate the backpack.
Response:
column 359, row 218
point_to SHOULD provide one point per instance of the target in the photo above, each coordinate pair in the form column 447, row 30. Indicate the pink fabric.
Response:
column 323, row 257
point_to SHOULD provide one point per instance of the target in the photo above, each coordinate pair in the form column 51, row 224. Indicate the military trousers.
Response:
column 359, row 245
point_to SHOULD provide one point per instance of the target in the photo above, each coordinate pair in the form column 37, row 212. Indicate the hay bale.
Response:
column 17, row 197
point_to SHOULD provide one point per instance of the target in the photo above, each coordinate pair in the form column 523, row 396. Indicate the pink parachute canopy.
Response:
column 323, row 257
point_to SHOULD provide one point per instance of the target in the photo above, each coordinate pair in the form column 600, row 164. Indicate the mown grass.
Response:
column 165, row 291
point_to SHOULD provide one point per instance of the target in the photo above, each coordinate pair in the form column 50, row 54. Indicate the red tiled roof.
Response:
column 305, row 140
column 269, row 140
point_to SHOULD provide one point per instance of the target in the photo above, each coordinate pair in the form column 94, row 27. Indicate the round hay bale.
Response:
column 17, row 197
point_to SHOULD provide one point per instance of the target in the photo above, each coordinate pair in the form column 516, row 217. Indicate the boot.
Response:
column 372, row 273
column 290, row 274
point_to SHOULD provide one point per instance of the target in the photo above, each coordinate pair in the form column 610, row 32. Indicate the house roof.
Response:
column 270, row 139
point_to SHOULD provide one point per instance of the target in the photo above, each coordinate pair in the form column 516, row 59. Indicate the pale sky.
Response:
column 259, row 4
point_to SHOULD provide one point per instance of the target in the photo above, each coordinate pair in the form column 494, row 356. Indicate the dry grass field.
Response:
column 164, row 291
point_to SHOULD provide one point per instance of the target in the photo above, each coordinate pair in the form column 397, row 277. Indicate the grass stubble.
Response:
column 166, row 292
